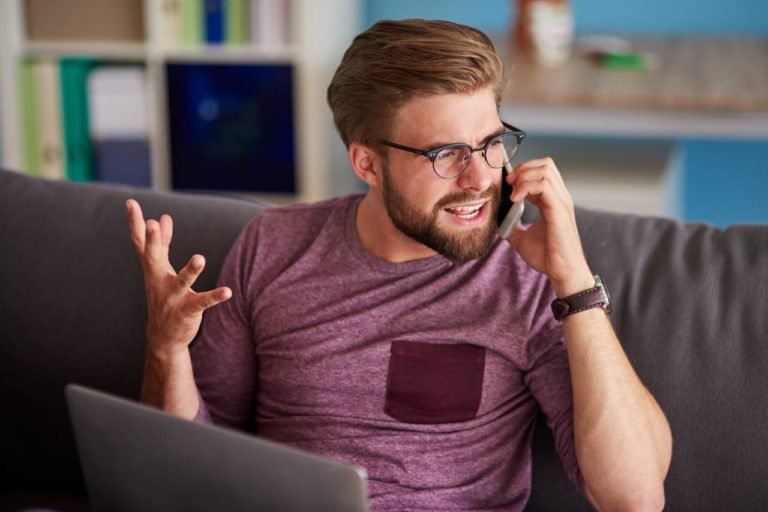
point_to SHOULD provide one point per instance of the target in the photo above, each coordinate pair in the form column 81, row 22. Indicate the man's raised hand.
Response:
column 174, row 310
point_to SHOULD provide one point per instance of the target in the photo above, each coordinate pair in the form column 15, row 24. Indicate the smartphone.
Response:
column 509, row 213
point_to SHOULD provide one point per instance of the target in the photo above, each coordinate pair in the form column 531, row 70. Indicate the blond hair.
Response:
column 395, row 61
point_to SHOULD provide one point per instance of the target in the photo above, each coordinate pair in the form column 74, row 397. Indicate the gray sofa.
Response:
column 690, row 306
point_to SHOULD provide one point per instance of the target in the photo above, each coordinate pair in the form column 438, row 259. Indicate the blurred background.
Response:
column 648, row 106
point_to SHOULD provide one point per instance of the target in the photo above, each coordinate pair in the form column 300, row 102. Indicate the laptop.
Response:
column 137, row 458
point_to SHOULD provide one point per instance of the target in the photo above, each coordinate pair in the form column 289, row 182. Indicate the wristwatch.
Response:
column 588, row 299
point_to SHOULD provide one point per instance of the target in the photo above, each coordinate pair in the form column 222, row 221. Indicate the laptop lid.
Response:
column 135, row 457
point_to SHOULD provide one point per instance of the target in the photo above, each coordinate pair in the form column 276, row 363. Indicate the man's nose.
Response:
column 478, row 175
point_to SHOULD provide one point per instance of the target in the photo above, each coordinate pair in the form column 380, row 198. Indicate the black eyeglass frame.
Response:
column 432, row 153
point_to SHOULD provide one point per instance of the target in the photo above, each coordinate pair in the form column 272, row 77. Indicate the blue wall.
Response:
column 710, row 17
column 724, row 182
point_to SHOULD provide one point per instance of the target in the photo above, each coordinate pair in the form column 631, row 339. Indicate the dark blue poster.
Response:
column 232, row 127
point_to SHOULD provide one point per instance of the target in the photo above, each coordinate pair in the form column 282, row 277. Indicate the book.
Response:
column 168, row 16
column 270, row 22
column 78, row 153
column 191, row 16
column 30, row 117
column 214, row 21
column 232, row 127
column 119, row 124
column 124, row 161
column 49, row 112
column 236, row 24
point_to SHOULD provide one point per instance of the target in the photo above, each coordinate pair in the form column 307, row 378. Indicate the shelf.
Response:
column 132, row 52
column 105, row 50
column 627, row 122
column 695, row 74
column 319, row 34
column 281, row 55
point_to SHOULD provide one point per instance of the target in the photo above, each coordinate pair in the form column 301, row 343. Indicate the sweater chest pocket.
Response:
column 434, row 383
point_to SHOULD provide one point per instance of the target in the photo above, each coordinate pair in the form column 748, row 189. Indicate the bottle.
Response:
column 544, row 30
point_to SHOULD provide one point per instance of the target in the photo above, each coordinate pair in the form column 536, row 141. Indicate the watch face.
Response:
column 606, row 296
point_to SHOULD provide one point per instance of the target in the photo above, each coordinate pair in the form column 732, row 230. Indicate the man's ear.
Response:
column 364, row 162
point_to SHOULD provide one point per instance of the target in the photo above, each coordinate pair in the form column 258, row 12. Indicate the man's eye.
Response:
column 445, row 154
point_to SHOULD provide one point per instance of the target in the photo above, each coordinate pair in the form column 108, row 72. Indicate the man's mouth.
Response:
column 466, row 212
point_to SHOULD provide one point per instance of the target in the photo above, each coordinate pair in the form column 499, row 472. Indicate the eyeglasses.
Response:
column 451, row 160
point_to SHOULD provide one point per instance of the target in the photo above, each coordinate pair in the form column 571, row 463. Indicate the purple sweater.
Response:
column 428, row 374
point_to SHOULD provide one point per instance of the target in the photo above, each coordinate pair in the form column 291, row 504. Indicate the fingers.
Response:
column 539, row 167
column 136, row 224
column 205, row 300
column 166, row 231
column 189, row 274
column 201, row 301
column 540, row 180
column 153, row 247
column 151, row 238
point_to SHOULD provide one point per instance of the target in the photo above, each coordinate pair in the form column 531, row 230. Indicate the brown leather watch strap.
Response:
column 587, row 299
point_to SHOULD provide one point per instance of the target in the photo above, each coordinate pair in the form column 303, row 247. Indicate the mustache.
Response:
column 466, row 197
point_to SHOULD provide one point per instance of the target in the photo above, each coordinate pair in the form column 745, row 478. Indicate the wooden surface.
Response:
column 701, row 74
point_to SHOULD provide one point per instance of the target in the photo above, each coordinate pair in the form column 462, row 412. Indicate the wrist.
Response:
column 584, row 300
column 166, row 353
column 574, row 283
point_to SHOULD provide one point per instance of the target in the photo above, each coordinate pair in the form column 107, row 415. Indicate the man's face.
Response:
column 454, row 217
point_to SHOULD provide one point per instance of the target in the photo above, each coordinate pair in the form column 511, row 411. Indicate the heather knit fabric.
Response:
column 429, row 374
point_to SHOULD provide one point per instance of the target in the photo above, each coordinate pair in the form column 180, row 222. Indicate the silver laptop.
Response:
column 136, row 458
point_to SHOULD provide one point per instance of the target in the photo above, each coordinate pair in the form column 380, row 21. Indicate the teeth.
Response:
column 465, row 212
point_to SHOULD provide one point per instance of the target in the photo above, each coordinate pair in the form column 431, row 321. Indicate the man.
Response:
column 395, row 329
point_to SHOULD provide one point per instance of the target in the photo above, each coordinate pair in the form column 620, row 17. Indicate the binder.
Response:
column 30, row 118
column 124, row 161
column 236, row 26
column 191, row 15
column 270, row 22
column 119, row 124
column 168, row 13
column 79, row 160
column 49, row 111
column 214, row 21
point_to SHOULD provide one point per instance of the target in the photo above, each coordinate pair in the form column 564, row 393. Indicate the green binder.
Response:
column 30, row 118
column 79, row 162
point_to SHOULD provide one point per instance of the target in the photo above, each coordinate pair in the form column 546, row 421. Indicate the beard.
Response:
column 460, row 246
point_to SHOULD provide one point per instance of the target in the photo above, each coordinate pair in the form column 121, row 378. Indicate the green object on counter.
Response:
column 624, row 60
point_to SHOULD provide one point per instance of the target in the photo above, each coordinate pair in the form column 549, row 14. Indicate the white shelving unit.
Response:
column 320, row 32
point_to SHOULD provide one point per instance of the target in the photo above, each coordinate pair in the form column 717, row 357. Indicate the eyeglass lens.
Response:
column 451, row 162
